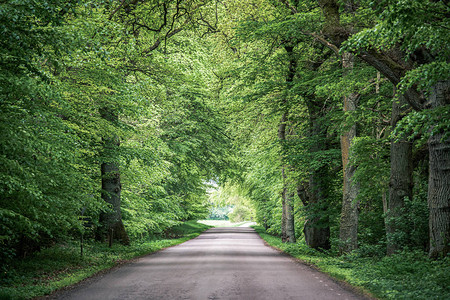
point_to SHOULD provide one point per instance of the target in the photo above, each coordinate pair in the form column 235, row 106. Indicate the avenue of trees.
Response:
column 327, row 120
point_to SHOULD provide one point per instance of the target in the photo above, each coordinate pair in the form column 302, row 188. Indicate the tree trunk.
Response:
column 112, row 220
column 317, row 237
column 112, row 227
column 282, row 138
column 401, row 179
column 290, row 225
column 317, row 227
column 287, row 198
column 348, row 233
column 439, row 179
column 287, row 218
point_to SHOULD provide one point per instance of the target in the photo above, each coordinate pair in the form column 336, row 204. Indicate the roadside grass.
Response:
column 62, row 265
column 406, row 275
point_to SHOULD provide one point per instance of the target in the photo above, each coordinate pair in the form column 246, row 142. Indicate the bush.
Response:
column 240, row 214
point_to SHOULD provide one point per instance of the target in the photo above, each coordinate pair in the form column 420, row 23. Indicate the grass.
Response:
column 62, row 265
column 407, row 275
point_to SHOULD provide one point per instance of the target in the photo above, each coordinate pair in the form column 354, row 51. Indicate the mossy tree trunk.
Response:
column 401, row 178
column 439, row 179
column 348, row 232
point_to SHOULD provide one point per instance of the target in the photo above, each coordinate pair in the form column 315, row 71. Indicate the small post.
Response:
column 110, row 237
column 81, row 244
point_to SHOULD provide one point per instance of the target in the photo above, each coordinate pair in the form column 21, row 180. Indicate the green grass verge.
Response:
column 62, row 265
column 407, row 275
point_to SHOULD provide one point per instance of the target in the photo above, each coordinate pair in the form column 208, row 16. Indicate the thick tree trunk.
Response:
column 290, row 225
column 283, row 220
column 287, row 218
column 112, row 220
column 439, row 179
column 287, row 198
column 401, row 179
column 348, row 233
column 282, row 138
column 317, row 227
column 317, row 237
column 112, row 227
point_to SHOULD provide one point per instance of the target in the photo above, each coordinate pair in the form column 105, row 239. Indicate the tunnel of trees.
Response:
column 330, row 118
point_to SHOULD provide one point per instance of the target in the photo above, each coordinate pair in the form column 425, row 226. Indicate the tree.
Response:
column 287, row 194
column 401, row 178
column 45, row 175
column 407, row 46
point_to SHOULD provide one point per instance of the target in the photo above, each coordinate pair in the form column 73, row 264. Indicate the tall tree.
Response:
column 287, row 222
column 401, row 177
column 335, row 31
column 111, row 220
column 403, row 49
column 348, row 233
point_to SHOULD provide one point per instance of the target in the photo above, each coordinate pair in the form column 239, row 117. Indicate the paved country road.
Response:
column 222, row 263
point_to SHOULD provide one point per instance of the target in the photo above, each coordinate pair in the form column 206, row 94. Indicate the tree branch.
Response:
column 290, row 7
column 116, row 10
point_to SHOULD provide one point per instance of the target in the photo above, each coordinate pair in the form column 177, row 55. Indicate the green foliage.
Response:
column 230, row 201
column 46, row 179
column 61, row 73
column 421, row 125
column 190, row 108
column 412, row 224
column 219, row 212
column 372, row 174
column 240, row 214
column 414, row 25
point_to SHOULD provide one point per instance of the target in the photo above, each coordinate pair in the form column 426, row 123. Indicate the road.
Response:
column 222, row 263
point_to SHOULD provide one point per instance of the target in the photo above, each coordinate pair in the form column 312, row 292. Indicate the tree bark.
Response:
column 112, row 221
column 393, row 70
column 401, row 178
column 112, row 227
column 287, row 218
column 317, row 227
column 290, row 223
column 439, row 179
column 348, row 232
column 287, row 198
column 282, row 138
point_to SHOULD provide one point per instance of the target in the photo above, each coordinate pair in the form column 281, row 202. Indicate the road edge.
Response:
column 342, row 283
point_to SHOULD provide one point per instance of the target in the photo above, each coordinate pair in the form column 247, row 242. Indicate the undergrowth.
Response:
column 406, row 275
column 62, row 264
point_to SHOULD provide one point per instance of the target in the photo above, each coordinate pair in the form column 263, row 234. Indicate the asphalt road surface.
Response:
column 222, row 263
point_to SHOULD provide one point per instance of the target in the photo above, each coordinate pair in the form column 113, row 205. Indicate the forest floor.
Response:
column 407, row 275
column 62, row 265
